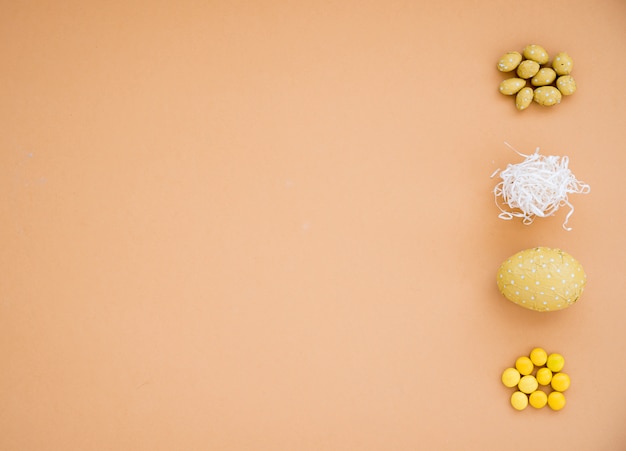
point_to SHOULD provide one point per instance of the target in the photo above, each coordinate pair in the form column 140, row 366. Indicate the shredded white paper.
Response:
column 537, row 186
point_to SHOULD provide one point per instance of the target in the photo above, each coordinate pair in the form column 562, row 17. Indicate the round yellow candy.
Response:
column 556, row 400
column 555, row 362
column 538, row 399
column 519, row 400
column 510, row 377
column 544, row 376
column 538, row 356
column 527, row 384
column 560, row 382
column 524, row 365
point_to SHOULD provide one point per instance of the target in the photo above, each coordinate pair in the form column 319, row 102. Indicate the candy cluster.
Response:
column 531, row 372
column 549, row 82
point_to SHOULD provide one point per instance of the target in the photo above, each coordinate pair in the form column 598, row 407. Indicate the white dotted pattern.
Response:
column 538, row 286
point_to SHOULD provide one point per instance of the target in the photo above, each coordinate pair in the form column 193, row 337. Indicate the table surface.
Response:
column 270, row 225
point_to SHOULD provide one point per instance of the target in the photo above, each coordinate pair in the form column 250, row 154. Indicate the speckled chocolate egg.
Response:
column 536, row 53
column 528, row 69
column 544, row 77
column 547, row 96
column 509, row 61
column 512, row 86
column 542, row 279
column 566, row 85
column 562, row 64
column 524, row 98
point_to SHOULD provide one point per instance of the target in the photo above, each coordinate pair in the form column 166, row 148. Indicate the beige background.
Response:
column 269, row 225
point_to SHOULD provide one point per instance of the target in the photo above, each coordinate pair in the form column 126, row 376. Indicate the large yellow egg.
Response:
column 542, row 279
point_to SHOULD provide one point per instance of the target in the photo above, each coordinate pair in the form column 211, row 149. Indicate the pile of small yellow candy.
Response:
column 531, row 371
column 550, row 81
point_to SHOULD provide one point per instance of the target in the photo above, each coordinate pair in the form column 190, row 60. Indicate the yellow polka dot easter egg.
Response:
column 542, row 279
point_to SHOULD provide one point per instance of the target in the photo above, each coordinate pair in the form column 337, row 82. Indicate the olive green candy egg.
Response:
column 566, row 85
column 509, row 61
column 527, row 69
column 536, row 53
column 524, row 98
column 547, row 96
column 563, row 64
column 544, row 77
column 512, row 86
column 541, row 279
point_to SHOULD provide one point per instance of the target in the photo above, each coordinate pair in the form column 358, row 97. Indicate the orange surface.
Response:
column 269, row 225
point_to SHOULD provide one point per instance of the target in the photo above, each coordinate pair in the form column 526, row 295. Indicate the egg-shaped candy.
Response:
column 528, row 69
column 544, row 77
column 566, row 85
column 512, row 86
column 537, row 53
column 509, row 61
column 563, row 64
column 524, row 98
column 542, row 279
column 547, row 95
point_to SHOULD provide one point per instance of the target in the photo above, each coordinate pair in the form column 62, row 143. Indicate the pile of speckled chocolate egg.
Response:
column 549, row 82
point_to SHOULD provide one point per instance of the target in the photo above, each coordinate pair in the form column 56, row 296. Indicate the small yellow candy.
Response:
column 556, row 400
column 519, row 400
column 555, row 362
column 524, row 365
column 527, row 384
column 538, row 399
column 538, row 356
column 544, row 376
column 510, row 377
column 560, row 382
